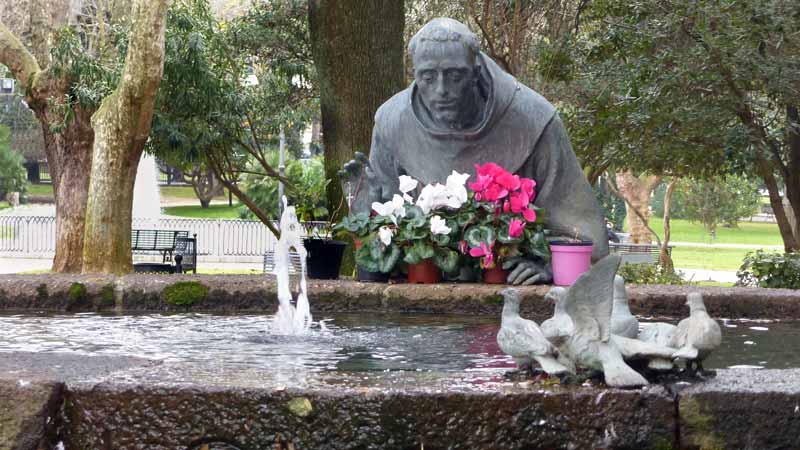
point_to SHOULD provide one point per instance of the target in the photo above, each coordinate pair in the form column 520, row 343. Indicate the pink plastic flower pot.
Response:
column 570, row 260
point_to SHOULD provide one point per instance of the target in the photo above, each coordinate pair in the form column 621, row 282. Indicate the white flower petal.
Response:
column 407, row 184
column 439, row 226
column 385, row 235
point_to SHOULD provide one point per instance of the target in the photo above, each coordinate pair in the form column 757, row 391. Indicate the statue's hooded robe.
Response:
column 520, row 131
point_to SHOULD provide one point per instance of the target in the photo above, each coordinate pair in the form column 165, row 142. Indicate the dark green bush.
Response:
column 770, row 270
column 649, row 274
column 185, row 293
column 41, row 292
column 106, row 295
column 76, row 292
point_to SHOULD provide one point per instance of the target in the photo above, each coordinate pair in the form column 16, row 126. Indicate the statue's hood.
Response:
column 502, row 88
column 514, row 120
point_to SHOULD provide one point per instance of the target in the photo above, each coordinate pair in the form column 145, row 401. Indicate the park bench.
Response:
column 294, row 268
column 171, row 245
column 637, row 253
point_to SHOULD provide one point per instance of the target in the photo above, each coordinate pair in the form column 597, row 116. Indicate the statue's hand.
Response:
column 361, row 177
column 356, row 168
column 526, row 271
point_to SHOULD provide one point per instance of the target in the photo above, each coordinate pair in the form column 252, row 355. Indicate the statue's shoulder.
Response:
column 532, row 105
column 393, row 113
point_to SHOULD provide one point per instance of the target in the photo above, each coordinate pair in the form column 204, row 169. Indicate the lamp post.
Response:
column 281, row 168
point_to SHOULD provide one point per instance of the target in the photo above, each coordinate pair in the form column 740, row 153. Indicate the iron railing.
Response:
column 36, row 235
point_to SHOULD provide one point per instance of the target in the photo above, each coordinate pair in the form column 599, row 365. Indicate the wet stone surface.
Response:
column 371, row 418
column 256, row 293
column 28, row 413
column 742, row 409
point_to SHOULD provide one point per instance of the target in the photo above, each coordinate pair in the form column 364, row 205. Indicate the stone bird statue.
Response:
column 581, row 325
column 623, row 323
column 660, row 334
column 523, row 340
column 697, row 335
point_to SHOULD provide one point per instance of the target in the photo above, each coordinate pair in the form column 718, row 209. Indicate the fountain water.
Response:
column 146, row 197
column 290, row 319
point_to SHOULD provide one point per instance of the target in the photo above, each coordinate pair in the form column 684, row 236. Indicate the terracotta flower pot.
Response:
column 425, row 272
column 570, row 260
column 495, row 275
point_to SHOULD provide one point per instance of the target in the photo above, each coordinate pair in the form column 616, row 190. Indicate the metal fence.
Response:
column 35, row 236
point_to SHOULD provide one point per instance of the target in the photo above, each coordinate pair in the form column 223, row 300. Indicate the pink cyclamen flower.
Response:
column 515, row 228
column 484, row 251
column 526, row 185
column 519, row 202
column 508, row 181
column 529, row 214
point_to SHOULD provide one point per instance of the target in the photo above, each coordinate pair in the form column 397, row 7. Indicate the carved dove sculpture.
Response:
column 623, row 323
column 661, row 334
column 523, row 340
column 697, row 335
column 583, row 314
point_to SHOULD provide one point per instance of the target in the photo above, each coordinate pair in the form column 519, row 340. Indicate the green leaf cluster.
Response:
column 650, row 274
column 770, row 270
column 374, row 256
column 12, row 173
column 306, row 191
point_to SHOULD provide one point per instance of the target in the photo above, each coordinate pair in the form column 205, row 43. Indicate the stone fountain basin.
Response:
column 174, row 381
column 102, row 398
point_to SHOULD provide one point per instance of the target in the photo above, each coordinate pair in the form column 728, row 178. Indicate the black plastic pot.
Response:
column 377, row 277
column 324, row 258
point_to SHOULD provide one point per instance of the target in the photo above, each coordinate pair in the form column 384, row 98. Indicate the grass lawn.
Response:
column 748, row 233
column 40, row 189
column 4, row 205
column 729, row 259
column 197, row 212
column 183, row 192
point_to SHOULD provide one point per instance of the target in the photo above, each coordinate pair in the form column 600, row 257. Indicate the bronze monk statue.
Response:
column 462, row 109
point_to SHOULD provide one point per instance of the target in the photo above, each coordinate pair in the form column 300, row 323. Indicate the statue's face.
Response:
column 446, row 74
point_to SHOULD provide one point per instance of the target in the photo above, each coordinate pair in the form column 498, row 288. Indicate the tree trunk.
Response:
column 784, row 226
column 68, row 152
column 358, row 51
column 205, row 185
column 122, row 125
column 664, row 257
column 69, row 157
column 792, row 180
column 637, row 191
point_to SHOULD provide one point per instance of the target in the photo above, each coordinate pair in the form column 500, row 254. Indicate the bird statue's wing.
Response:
column 524, row 338
column 591, row 298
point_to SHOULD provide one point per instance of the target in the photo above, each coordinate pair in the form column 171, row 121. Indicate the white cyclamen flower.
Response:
column 456, row 190
column 407, row 184
column 392, row 209
column 439, row 226
column 385, row 235
column 431, row 197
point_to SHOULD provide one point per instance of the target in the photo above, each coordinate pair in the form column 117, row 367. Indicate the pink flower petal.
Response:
column 529, row 214
column 515, row 228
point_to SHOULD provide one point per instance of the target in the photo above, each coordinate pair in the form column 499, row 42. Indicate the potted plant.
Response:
column 571, row 258
column 376, row 256
column 501, row 222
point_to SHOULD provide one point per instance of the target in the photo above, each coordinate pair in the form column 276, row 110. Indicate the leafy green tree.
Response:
column 306, row 192
column 12, row 173
column 722, row 200
column 699, row 89
column 64, row 73
column 230, row 87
